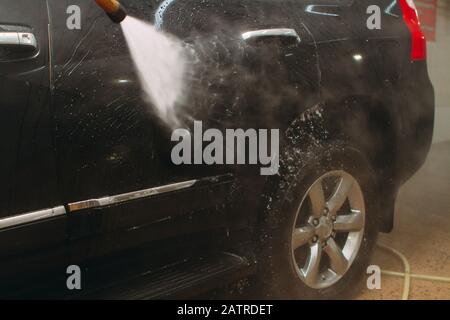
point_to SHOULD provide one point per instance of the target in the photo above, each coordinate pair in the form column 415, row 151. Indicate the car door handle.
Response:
column 270, row 33
column 26, row 40
column 324, row 10
column 17, row 45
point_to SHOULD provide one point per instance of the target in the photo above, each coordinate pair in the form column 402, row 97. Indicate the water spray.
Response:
column 159, row 60
column 115, row 11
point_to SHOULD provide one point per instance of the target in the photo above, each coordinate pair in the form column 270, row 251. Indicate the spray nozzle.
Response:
column 115, row 11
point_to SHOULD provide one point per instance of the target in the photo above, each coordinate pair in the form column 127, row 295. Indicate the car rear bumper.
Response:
column 416, row 120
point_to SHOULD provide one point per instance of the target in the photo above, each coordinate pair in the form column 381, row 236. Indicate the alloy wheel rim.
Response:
column 328, row 229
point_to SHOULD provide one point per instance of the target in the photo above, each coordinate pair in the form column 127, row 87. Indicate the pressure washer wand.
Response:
column 115, row 11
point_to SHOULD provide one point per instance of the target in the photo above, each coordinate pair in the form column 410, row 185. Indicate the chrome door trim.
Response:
column 107, row 201
column 31, row 216
column 111, row 200
column 275, row 32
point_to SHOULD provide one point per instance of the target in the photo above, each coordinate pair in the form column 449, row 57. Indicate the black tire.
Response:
column 277, row 272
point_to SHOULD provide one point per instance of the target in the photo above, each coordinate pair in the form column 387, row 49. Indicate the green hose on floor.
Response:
column 407, row 275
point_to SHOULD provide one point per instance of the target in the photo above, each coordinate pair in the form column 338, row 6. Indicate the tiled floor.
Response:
column 421, row 232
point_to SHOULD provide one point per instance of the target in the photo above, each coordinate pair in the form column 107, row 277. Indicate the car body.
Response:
column 79, row 141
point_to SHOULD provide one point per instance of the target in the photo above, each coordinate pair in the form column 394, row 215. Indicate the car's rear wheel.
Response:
column 319, row 230
column 328, row 229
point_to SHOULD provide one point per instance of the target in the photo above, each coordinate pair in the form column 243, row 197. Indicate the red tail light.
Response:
column 419, row 44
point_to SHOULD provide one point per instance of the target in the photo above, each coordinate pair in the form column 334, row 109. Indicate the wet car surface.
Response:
column 87, row 173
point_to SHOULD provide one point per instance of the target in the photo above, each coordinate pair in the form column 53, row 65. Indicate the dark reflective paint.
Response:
column 90, row 133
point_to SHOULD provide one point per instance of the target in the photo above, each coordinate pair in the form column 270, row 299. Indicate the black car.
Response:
column 86, row 173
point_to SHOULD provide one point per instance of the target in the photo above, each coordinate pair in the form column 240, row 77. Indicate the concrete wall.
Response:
column 439, row 69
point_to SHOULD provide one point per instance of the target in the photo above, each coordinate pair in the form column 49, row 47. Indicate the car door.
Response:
column 117, row 178
column 32, row 218
column 348, row 49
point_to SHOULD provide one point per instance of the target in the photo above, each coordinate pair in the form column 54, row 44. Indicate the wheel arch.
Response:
column 371, row 125
column 365, row 122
